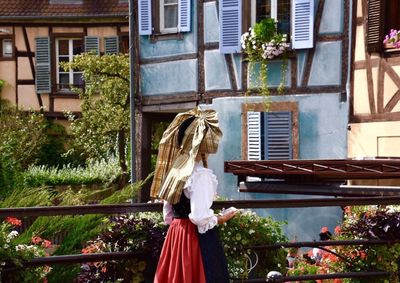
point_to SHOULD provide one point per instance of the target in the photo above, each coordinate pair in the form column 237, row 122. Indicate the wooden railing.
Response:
column 143, row 207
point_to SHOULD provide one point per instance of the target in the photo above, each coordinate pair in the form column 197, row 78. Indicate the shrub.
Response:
column 143, row 232
column 367, row 222
column 248, row 229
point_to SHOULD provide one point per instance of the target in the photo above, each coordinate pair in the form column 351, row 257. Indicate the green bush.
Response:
column 100, row 172
column 248, row 229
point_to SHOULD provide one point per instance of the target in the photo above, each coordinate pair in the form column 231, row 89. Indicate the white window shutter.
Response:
column 184, row 15
column 145, row 26
column 254, row 135
column 230, row 16
column 302, row 24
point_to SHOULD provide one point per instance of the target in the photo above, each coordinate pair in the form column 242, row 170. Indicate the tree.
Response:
column 103, row 127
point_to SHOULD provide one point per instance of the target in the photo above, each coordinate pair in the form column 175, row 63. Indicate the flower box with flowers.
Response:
column 263, row 43
column 392, row 40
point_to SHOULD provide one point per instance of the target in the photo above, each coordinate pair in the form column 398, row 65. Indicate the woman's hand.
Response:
column 224, row 218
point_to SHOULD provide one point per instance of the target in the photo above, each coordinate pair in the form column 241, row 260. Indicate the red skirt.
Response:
column 180, row 260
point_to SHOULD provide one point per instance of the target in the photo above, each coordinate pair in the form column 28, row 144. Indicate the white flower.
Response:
column 12, row 234
column 251, row 231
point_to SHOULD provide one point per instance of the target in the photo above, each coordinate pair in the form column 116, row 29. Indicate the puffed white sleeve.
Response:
column 167, row 213
column 202, row 191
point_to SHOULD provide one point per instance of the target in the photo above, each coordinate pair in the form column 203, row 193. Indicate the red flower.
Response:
column 338, row 229
column 13, row 221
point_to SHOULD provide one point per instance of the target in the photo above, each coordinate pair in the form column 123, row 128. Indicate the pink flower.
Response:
column 338, row 229
column 46, row 244
column 36, row 240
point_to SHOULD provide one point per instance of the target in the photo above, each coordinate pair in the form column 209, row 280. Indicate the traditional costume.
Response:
column 192, row 251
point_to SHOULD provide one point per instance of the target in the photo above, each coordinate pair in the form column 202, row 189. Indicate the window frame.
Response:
column 249, row 13
column 161, row 27
column 273, row 107
column 71, row 72
column 4, row 38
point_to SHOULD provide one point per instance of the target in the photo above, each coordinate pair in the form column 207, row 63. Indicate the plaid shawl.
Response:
column 175, row 163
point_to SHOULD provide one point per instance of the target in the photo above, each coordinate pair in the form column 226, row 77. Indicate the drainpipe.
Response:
column 132, row 90
column 349, row 51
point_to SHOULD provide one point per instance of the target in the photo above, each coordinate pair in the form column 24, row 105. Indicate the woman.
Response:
column 192, row 251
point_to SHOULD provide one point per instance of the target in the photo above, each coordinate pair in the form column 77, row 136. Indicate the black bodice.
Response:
column 182, row 208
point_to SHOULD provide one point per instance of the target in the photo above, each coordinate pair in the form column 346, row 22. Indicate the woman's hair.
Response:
column 182, row 129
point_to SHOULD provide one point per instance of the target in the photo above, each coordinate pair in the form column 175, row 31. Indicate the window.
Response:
column 124, row 44
column 164, row 16
column 66, row 49
column 269, row 135
column 168, row 16
column 294, row 16
column 272, row 134
column 276, row 9
column 6, row 48
column 381, row 18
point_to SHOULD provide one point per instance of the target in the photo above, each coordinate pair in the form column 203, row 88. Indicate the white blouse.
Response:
column 201, row 189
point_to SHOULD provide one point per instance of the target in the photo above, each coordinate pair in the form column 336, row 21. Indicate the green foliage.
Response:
column 249, row 229
column 96, row 171
column 74, row 230
column 52, row 153
column 103, row 127
column 22, row 136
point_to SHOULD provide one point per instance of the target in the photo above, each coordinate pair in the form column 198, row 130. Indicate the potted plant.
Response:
column 263, row 43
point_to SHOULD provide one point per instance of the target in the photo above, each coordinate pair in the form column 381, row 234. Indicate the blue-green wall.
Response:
column 322, row 135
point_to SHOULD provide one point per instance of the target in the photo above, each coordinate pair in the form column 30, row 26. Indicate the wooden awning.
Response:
column 318, row 170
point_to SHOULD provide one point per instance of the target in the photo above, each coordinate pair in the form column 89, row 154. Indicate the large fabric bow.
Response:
column 175, row 162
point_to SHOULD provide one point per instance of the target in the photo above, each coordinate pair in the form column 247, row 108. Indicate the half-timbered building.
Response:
column 374, row 128
column 36, row 36
column 188, row 53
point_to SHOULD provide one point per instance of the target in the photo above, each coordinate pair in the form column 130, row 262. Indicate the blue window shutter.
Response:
column 278, row 135
column 92, row 44
column 302, row 24
column 184, row 15
column 230, row 23
column 145, row 27
column 111, row 45
column 42, row 58
column 254, row 135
